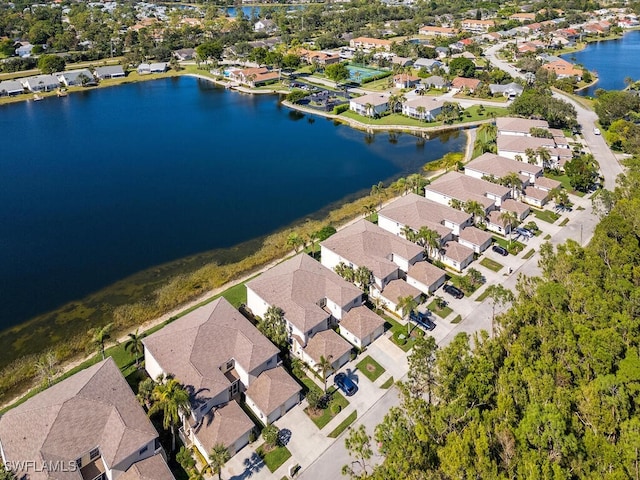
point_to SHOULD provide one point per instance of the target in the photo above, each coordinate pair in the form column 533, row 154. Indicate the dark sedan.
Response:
column 453, row 291
column 345, row 384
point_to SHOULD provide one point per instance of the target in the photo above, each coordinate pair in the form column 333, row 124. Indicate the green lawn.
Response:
column 393, row 119
column 546, row 215
column 491, row 264
column 275, row 457
column 322, row 417
column 458, row 319
column 482, row 296
column 398, row 329
column 513, row 247
column 344, row 425
column 387, row 383
column 476, row 114
column 529, row 254
column 370, row 368
column 564, row 221
column 441, row 312
column 564, row 180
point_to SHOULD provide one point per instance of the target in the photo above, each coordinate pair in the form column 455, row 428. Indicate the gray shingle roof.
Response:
column 465, row 188
column 195, row 346
column 522, row 125
column 396, row 289
column 366, row 244
column 152, row 468
column 417, row 211
column 457, row 252
column 492, row 164
column 296, row 286
column 224, row 424
column 272, row 389
column 519, row 144
column 94, row 407
column 361, row 321
column 327, row 344
column 475, row 236
column 426, row 273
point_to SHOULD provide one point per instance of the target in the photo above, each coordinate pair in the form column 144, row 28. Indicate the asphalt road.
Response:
column 581, row 227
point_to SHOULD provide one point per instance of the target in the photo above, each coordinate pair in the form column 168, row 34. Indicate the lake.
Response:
column 614, row 60
column 105, row 183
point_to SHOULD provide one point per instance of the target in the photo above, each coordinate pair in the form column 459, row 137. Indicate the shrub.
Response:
column 335, row 408
column 338, row 109
column 271, row 435
column 296, row 95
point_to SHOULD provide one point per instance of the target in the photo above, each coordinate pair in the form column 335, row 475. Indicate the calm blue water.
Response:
column 614, row 60
column 102, row 184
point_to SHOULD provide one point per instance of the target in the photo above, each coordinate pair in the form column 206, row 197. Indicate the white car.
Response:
column 596, row 131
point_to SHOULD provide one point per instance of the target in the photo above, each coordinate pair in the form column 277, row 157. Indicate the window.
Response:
column 229, row 364
column 95, row 453
column 79, row 463
column 143, row 450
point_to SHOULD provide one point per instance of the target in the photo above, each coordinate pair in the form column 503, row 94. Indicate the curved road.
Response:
column 580, row 228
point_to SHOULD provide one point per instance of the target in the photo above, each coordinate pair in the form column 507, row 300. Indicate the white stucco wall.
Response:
column 256, row 304
column 389, row 225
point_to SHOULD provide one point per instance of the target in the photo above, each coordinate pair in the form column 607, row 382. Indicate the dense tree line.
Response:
column 555, row 394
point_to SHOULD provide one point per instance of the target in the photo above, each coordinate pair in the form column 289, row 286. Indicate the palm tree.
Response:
column 134, row 343
column 172, row 399
column 455, row 203
column 218, row 457
column 99, row 336
column 345, row 271
column 325, row 367
column 377, row 191
column 369, row 209
column 406, row 305
column 531, row 156
column 429, row 240
column 363, row 277
column 368, row 109
column 295, row 241
column 421, row 112
column 510, row 220
column 409, row 233
column 475, row 209
column 513, row 181
column 545, row 156
column 313, row 239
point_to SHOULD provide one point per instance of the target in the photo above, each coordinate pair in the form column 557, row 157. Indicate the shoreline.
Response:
column 239, row 271
column 205, row 297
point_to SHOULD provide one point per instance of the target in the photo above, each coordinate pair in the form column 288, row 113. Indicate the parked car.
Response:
column 596, row 131
column 524, row 232
column 345, row 384
column 500, row 250
column 423, row 320
column 453, row 291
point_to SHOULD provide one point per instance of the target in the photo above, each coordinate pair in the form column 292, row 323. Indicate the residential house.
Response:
column 442, row 52
column 428, row 64
column 158, row 67
column 467, row 84
column 476, row 26
column 401, row 61
column 512, row 146
column 253, row 76
column 564, row 69
column 361, row 326
column 535, row 196
column 144, row 69
column 24, row 50
column 90, row 424
column 216, row 353
column 388, row 256
column 370, row 105
column 426, row 277
column 111, row 71
column 74, row 78
column 367, row 43
column 185, row 54
column 40, row 83
column 519, row 126
column 494, row 166
column 436, row 31
column 510, row 90
column 265, row 25
column 476, row 239
column 423, row 108
column 523, row 17
column 364, row 244
column 436, row 81
column 456, row 256
column 273, row 394
column 312, row 296
column 320, row 58
column 328, row 345
column 416, row 211
column 405, row 80
column 394, row 291
column 520, row 209
column 11, row 88
column 464, row 188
